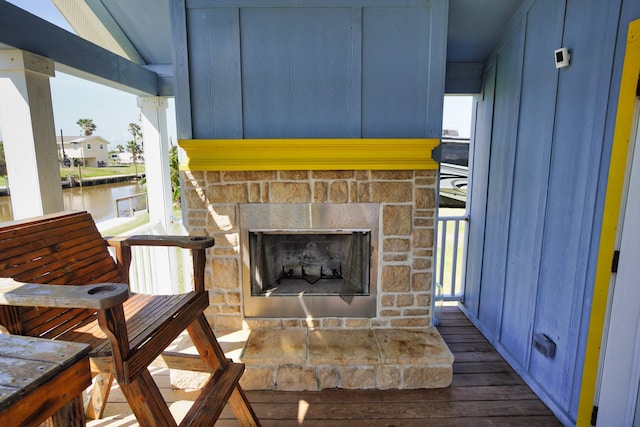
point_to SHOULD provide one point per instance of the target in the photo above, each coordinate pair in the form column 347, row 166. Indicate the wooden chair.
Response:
column 91, row 303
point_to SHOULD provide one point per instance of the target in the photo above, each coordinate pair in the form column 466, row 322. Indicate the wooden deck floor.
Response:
column 485, row 392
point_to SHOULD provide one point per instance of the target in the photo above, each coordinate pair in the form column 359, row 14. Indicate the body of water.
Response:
column 99, row 200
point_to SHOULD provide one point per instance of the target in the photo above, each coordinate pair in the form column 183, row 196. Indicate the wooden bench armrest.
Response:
column 196, row 244
column 98, row 296
column 184, row 242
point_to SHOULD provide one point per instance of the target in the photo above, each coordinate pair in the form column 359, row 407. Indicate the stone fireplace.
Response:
column 402, row 201
column 309, row 329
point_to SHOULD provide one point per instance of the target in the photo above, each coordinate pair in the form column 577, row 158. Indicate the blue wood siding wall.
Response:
column 540, row 163
column 313, row 69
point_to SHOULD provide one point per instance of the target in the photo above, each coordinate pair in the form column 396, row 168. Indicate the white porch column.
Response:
column 28, row 131
column 156, row 159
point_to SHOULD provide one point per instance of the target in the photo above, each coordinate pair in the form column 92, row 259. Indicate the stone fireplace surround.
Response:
column 396, row 348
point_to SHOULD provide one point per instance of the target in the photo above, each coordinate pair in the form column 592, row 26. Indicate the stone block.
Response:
column 423, row 300
column 227, row 193
column 254, row 324
column 385, row 175
column 395, row 278
column 425, row 198
column 223, row 218
column 363, row 192
column 320, row 192
column 388, row 377
column 331, row 323
column 421, row 282
column 356, row 323
column 296, row 378
column 233, row 298
column 421, row 263
column 289, row 192
column 291, row 323
column 276, row 347
column 329, row 347
column 227, row 322
column 404, row 300
column 344, row 174
column 193, row 178
column 293, row 175
column 395, row 258
column 246, row 176
column 432, row 376
column 396, row 245
column 423, row 237
column 194, row 199
column 396, row 220
column 255, row 195
column 410, row 322
column 258, row 378
column 211, row 177
column 328, row 377
column 339, row 192
column 225, row 273
column 196, row 218
column 391, row 192
column 388, row 300
column 358, row 377
column 389, row 313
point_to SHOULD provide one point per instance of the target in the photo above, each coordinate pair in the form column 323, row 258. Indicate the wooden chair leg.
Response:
column 207, row 345
column 146, row 402
column 99, row 395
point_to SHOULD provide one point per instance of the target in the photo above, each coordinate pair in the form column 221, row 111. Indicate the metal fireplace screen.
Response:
column 309, row 260
column 311, row 263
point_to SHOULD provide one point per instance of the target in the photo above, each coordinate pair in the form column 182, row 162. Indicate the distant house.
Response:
column 125, row 158
column 92, row 150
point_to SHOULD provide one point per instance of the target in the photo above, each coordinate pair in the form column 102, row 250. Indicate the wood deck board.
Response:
column 485, row 392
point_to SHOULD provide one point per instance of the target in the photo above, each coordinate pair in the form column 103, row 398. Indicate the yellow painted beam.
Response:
column 619, row 151
column 308, row 154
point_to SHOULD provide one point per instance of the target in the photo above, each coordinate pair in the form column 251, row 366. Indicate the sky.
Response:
column 112, row 110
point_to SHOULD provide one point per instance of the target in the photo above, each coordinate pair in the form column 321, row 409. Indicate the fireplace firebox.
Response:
column 308, row 260
column 317, row 262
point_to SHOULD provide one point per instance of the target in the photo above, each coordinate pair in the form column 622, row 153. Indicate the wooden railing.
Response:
column 451, row 256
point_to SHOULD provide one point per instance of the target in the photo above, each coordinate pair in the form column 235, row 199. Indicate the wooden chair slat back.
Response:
column 57, row 249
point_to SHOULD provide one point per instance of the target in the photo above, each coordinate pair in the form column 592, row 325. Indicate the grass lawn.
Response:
column 88, row 172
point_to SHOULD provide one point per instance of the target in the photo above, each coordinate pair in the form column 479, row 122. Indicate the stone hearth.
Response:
column 304, row 359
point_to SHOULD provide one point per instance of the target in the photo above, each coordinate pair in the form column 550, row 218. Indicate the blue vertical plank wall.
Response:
column 313, row 69
column 542, row 146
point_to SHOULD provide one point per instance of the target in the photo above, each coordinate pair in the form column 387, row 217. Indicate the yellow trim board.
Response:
column 617, row 167
column 308, row 154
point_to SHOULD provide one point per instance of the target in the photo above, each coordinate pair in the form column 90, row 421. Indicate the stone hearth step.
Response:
column 306, row 359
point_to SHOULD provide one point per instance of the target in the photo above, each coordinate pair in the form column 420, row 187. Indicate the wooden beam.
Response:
column 22, row 30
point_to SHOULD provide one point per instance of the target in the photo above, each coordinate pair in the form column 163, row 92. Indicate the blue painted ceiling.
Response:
column 474, row 27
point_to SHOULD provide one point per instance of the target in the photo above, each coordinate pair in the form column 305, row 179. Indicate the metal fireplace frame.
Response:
column 311, row 218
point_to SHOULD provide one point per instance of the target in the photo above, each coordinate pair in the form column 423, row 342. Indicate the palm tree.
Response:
column 120, row 148
column 87, row 126
column 135, row 150
column 136, row 132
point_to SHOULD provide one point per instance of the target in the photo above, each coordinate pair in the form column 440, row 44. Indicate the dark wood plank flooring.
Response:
column 485, row 392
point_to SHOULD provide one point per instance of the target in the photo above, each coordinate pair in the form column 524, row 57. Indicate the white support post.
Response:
column 28, row 131
column 156, row 159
